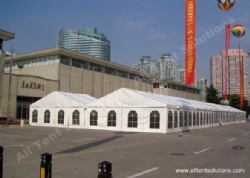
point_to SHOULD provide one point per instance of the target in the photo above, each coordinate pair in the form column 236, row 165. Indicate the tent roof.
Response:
column 132, row 98
column 58, row 99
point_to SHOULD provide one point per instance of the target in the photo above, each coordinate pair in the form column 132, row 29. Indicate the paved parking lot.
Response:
column 76, row 152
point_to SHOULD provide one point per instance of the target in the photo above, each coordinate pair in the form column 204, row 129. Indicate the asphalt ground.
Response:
column 77, row 152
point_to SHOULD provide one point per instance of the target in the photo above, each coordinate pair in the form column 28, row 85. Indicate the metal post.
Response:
column 46, row 166
column 9, row 92
column 1, row 162
column 104, row 170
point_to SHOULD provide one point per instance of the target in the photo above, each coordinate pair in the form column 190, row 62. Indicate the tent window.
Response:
column 132, row 119
column 207, row 118
column 61, row 117
column 189, row 118
column 201, row 122
column 194, row 119
column 47, row 116
column 170, row 120
column 75, row 117
column 181, row 119
column 185, row 119
column 197, row 118
column 93, row 118
column 112, row 119
column 175, row 119
column 154, row 120
column 34, row 116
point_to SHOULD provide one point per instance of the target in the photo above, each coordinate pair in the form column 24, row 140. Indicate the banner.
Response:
column 227, row 45
column 190, row 58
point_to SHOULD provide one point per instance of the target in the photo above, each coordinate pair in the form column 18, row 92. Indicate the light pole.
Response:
column 4, row 36
column 10, row 82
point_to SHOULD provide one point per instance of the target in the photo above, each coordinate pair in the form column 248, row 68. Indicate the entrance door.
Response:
column 22, row 111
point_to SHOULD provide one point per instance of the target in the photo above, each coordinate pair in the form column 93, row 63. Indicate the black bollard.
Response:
column 46, row 166
column 1, row 162
column 104, row 170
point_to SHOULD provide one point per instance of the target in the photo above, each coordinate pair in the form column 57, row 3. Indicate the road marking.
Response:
column 12, row 146
column 245, row 134
column 198, row 152
column 83, row 139
column 144, row 172
column 232, row 139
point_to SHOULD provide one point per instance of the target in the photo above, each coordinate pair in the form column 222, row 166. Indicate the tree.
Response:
column 212, row 95
column 234, row 101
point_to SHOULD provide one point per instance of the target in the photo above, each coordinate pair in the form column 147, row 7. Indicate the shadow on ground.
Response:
column 90, row 145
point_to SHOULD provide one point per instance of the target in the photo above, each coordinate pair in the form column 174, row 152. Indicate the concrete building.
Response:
column 176, row 89
column 36, row 74
column 85, row 40
column 219, row 69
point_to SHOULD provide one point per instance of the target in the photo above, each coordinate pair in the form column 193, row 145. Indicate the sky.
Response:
column 135, row 28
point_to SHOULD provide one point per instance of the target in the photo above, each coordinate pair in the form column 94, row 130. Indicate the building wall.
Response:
column 96, row 84
column 21, row 85
column 177, row 93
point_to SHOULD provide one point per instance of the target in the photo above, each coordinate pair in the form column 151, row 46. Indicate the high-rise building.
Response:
column 85, row 40
column 225, row 76
column 165, row 67
column 202, row 85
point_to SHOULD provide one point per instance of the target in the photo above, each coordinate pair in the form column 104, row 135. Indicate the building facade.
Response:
column 85, row 40
column 36, row 74
column 225, row 74
column 176, row 89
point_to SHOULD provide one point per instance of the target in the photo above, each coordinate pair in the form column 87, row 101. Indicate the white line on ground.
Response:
column 144, row 172
column 83, row 139
column 232, row 139
column 198, row 152
column 245, row 134
column 12, row 146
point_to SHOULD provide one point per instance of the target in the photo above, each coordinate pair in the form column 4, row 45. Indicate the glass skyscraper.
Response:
column 85, row 40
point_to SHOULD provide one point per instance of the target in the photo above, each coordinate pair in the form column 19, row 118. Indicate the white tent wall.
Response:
column 149, row 126
column 140, row 120
column 102, row 118
column 68, row 117
column 40, row 117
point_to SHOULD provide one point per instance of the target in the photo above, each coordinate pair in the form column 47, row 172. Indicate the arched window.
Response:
column 197, row 119
column 204, row 118
column 175, row 119
column 132, row 119
column 47, row 116
column 111, row 119
column 34, row 116
column 185, row 119
column 181, row 119
column 194, row 119
column 93, row 118
column 189, row 118
column 154, row 120
column 201, row 118
column 61, row 117
column 76, row 117
column 170, row 120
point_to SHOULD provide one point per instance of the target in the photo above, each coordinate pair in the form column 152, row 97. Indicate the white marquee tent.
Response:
column 60, row 109
column 131, row 110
